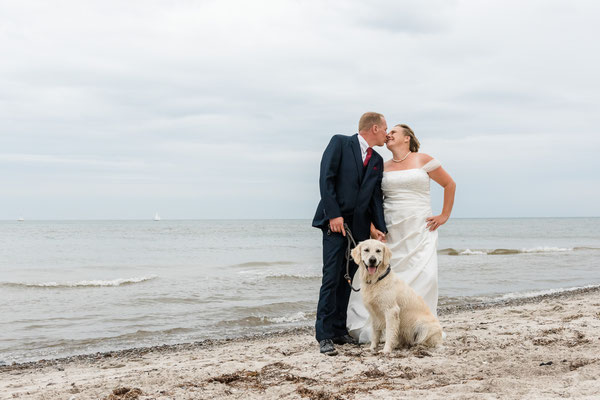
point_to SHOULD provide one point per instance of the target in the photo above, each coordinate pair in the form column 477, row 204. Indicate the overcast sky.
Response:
column 222, row 109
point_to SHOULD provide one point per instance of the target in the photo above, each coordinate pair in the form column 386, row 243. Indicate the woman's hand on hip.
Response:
column 436, row 221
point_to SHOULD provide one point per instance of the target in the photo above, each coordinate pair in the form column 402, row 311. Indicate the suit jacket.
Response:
column 350, row 190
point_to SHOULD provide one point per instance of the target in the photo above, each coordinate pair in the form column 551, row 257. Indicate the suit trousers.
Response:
column 335, row 291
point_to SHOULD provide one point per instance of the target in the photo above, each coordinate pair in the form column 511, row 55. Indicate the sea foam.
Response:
column 80, row 284
column 504, row 252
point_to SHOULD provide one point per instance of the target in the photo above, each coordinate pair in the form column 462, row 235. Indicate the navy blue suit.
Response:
column 351, row 191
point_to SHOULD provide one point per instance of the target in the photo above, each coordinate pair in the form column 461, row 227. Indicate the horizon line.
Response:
column 255, row 219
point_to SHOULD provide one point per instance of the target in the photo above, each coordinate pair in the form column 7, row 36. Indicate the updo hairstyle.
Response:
column 414, row 143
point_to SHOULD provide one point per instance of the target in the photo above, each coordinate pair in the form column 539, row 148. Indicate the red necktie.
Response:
column 368, row 157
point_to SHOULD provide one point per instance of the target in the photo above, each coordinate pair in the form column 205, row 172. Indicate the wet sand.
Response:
column 543, row 347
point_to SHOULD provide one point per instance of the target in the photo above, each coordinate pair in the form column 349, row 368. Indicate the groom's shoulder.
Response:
column 342, row 138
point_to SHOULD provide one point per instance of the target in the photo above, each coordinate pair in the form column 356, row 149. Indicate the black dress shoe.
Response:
column 326, row 347
column 345, row 339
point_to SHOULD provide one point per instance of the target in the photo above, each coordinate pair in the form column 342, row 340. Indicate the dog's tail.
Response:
column 428, row 333
column 420, row 333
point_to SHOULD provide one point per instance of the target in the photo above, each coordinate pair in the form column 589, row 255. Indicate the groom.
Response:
column 350, row 185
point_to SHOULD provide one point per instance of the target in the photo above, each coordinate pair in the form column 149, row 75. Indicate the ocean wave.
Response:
column 445, row 301
column 469, row 252
column 292, row 277
column 262, row 263
column 547, row 249
column 586, row 248
column 448, row 252
column 277, row 308
column 134, row 336
column 497, row 252
column 299, row 316
column 254, row 320
column 80, row 284
column 504, row 252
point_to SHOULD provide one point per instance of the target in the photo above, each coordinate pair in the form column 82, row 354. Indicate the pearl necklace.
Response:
column 404, row 158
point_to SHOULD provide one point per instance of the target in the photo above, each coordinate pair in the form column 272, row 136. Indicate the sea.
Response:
column 79, row 287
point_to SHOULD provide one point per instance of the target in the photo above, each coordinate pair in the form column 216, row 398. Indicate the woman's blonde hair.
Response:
column 414, row 143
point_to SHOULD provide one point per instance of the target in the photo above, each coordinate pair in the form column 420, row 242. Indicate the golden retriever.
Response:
column 394, row 306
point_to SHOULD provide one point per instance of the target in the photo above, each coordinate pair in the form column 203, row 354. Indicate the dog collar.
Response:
column 384, row 275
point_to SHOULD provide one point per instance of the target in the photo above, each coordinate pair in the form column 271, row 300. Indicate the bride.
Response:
column 412, row 227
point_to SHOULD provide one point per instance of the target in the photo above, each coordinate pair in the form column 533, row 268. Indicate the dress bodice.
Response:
column 409, row 187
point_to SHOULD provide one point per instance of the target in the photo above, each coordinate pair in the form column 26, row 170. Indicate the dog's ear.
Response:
column 387, row 255
column 355, row 253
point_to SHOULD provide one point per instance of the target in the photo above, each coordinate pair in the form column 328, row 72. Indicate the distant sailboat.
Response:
column 20, row 219
column 156, row 217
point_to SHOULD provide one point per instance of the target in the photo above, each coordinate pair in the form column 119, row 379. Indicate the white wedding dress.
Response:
column 406, row 205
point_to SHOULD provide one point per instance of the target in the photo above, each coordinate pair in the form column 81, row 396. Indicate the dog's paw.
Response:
column 373, row 349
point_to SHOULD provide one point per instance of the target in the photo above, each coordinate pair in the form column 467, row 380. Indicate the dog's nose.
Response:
column 372, row 260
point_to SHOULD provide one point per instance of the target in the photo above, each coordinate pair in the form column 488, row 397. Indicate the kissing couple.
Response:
column 388, row 201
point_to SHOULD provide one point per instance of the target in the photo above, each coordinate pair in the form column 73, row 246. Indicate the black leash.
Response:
column 351, row 244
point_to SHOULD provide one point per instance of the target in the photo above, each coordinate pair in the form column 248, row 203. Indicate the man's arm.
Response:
column 330, row 163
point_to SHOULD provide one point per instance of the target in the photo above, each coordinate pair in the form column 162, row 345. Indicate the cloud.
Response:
column 152, row 99
column 71, row 161
column 410, row 17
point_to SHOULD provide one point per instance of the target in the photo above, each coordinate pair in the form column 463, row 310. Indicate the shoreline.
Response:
column 543, row 347
column 165, row 348
column 565, row 293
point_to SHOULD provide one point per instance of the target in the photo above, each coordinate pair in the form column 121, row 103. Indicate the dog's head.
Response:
column 372, row 257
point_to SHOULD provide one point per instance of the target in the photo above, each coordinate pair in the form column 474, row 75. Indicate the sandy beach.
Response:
column 535, row 348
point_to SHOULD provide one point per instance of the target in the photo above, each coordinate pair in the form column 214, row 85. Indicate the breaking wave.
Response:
column 80, row 284
column 264, row 320
column 263, row 263
column 293, row 277
column 496, row 252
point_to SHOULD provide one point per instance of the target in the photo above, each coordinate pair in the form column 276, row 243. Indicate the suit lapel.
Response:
column 357, row 155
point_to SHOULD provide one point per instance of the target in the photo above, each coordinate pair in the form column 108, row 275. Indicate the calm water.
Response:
column 71, row 287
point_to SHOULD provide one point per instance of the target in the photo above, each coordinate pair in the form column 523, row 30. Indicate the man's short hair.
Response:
column 369, row 119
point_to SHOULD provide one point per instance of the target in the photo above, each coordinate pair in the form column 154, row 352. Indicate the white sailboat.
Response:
column 156, row 217
column 20, row 219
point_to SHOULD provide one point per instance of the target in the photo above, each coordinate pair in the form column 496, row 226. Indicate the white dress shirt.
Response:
column 363, row 147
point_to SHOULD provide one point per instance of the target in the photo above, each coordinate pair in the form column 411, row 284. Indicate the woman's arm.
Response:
column 444, row 180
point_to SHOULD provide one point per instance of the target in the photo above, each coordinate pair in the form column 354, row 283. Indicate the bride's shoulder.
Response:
column 422, row 158
column 428, row 163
